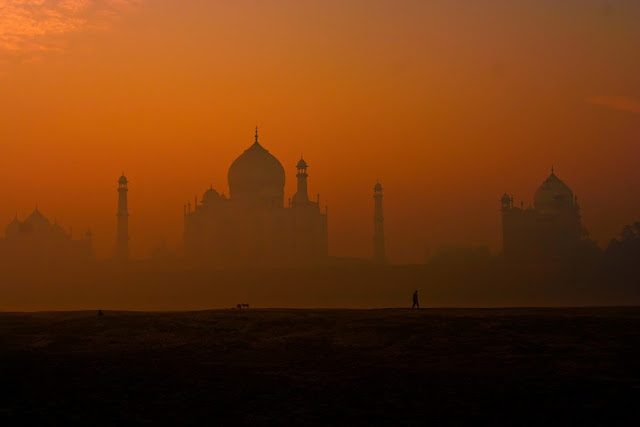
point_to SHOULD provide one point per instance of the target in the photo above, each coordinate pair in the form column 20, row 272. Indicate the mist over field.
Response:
column 167, row 287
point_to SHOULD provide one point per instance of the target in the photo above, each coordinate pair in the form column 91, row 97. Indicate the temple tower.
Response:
column 379, row 255
column 122, row 241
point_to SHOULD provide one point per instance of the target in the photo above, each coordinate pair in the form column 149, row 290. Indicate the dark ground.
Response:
column 438, row 366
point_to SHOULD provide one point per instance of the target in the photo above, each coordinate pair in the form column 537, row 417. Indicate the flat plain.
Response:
column 507, row 366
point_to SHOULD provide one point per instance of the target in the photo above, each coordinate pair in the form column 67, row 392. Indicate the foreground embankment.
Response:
column 553, row 366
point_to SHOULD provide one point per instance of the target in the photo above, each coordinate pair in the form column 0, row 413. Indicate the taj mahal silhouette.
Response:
column 253, row 225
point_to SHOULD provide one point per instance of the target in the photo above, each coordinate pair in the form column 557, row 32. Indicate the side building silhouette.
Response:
column 551, row 230
column 37, row 241
column 253, row 226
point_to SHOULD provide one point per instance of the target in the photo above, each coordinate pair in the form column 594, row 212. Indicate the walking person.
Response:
column 415, row 300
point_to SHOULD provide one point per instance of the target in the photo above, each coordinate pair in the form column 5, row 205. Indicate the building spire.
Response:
column 551, row 169
column 256, row 135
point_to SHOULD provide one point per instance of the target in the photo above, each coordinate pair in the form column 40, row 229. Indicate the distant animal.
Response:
column 239, row 306
column 245, row 305
column 100, row 313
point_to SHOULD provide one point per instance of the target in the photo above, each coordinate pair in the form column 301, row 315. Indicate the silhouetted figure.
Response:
column 415, row 300
column 100, row 313
column 245, row 305
column 239, row 306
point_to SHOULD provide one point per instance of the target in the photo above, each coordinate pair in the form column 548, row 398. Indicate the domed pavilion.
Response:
column 551, row 229
column 37, row 241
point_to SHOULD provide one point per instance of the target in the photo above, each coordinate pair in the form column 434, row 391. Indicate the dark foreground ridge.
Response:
column 396, row 366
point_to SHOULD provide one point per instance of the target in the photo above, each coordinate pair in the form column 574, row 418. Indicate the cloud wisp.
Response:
column 31, row 27
column 622, row 103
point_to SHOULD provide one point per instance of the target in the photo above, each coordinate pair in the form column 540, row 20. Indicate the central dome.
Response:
column 257, row 176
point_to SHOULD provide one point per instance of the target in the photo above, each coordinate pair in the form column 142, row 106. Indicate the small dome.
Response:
column 505, row 198
column 123, row 180
column 36, row 222
column 36, row 217
column 301, row 164
column 377, row 187
column 552, row 194
column 210, row 196
column 256, row 174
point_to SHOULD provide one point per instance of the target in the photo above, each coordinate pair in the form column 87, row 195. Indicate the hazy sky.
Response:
column 448, row 103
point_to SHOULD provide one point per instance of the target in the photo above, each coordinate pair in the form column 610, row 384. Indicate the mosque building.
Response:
column 253, row 226
column 550, row 230
column 37, row 241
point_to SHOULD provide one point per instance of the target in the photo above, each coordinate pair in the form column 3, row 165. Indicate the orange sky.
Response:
column 448, row 103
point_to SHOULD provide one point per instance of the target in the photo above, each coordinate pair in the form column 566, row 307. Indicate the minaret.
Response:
column 301, row 195
column 379, row 255
column 506, row 208
column 122, row 245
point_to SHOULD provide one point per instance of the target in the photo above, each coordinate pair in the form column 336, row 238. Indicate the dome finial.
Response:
column 256, row 135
